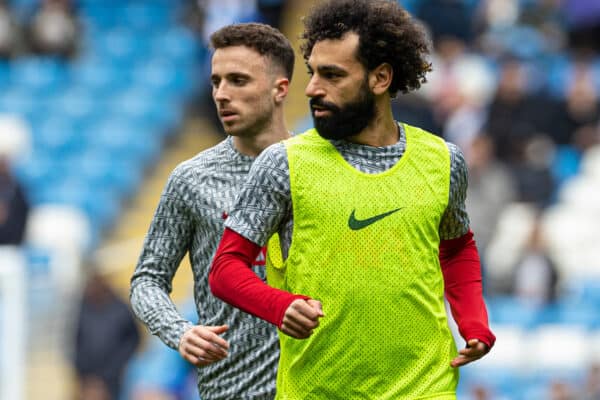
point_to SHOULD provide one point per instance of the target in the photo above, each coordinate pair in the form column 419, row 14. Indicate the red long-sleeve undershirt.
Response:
column 461, row 268
column 234, row 282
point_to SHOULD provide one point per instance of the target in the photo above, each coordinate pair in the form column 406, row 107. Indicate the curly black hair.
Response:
column 387, row 34
column 262, row 38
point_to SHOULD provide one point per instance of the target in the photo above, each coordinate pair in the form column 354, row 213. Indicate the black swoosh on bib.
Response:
column 356, row 224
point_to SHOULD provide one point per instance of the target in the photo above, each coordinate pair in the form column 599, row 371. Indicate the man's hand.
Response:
column 474, row 351
column 301, row 317
column 202, row 345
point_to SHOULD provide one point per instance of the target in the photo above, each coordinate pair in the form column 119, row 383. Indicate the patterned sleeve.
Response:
column 165, row 245
column 455, row 221
column 264, row 203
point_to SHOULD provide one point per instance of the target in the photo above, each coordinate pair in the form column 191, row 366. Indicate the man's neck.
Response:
column 254, row 145
column 382, row 131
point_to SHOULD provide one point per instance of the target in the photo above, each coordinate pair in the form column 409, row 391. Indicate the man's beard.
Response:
column 348, row 120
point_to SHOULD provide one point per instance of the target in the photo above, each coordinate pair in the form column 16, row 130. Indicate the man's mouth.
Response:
column 227, row 115
column 319, row 111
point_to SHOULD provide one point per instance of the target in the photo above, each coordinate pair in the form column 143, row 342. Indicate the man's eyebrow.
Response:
column 330, row 68
column 230, row 75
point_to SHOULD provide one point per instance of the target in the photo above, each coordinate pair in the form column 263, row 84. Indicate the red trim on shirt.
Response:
column 232, row 280
column 461, row 268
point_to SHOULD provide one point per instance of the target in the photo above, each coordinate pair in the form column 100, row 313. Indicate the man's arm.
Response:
column 263, row 206
column 461, row 267
column 462, row 280
column 232, row 280
column 165, row 245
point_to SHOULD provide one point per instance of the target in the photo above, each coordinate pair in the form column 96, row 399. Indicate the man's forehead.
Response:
column 238, row 52
column 341, row 51
column 238, row 57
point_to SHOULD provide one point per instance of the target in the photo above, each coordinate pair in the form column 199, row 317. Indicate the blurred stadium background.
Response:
column 100, row 99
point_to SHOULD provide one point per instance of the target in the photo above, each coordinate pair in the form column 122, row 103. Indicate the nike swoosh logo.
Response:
column 356, row 224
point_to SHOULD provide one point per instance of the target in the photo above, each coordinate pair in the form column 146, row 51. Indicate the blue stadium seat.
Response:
column 566, row 164
column 102, row 169
column 4, row 74
column 121, row 46
column 100, row 205
column 558, row 75
column 75, row 103
column 147, row 16
column 178, row 45
column 38, row 74
column 41, row 295
column 18, row 101
column 37, row 172
column 57, row 137
column 512, row 311
column 121, row 138
column 497, row 381
column 148, row 113
column 98, row 14
column 98, row 76
column 164, row 78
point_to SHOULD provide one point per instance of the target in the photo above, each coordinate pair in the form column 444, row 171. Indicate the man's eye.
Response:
column 331, row 75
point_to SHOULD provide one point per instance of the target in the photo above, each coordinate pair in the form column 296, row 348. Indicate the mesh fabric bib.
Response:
column 366, row 246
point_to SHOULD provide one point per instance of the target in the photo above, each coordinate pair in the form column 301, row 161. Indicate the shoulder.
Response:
column 192, row 172
column 274, row 156
column 457, row 159
column 202, row 162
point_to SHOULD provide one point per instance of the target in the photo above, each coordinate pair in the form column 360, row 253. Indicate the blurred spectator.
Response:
column 446, row 19
column 54, row 29
column 412, row 109
column 459, row 89
column 591, row 389
column 14, row 206
column 546, row 17
column 514, row 115
column 160, row 373
column 106, row 337
column 490, row 189
column 581, row 105
column 492, row 18
column 443, row 87
column 567, row 160
column 559, row 390
column 271, row 11
column 583, row 25
column 535, row 274
column 533, row 171
column 10, row 32
column 193, row 15
column 218, row 13
column 480, row 392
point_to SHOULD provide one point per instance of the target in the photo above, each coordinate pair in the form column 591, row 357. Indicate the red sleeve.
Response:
column 462, row 279
column 232, row 280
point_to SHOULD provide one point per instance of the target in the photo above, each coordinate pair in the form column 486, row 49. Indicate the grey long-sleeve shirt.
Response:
column 190, row 217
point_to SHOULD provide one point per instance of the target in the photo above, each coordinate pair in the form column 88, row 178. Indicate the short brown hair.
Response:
column 262, row 38
column 387, row 34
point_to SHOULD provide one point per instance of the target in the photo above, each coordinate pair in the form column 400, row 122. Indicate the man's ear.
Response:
column 380, row 78
column 280, row 89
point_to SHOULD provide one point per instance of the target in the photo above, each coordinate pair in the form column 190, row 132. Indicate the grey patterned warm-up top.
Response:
column 190, row 217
